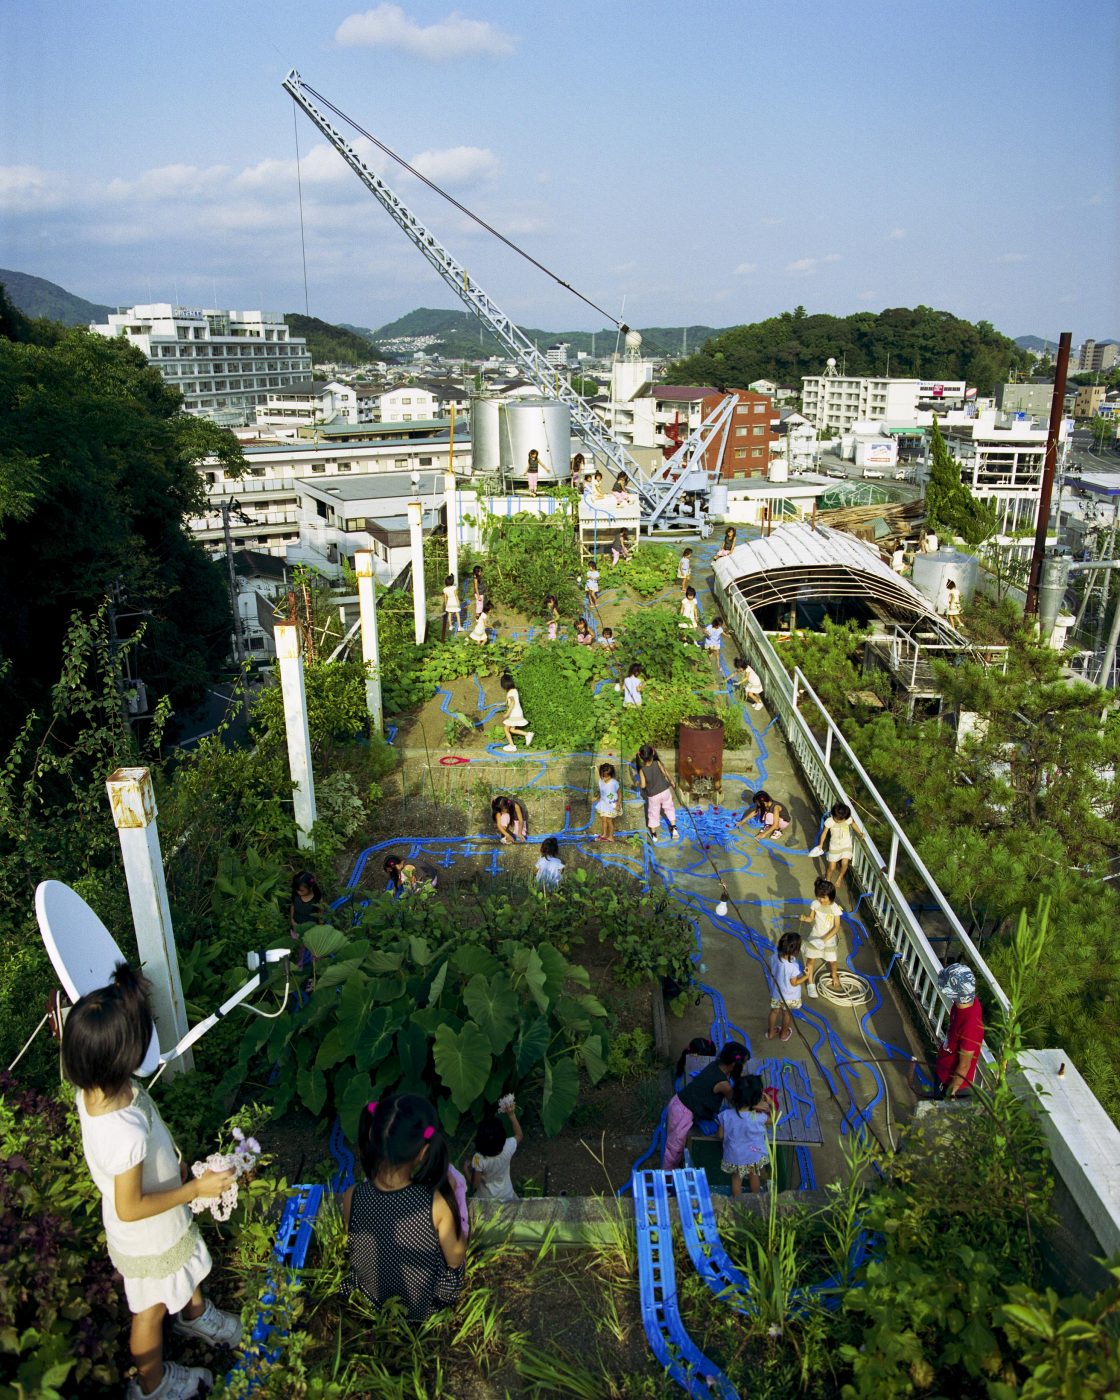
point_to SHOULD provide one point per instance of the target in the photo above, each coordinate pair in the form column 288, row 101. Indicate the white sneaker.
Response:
column 811, row 988
column 212, row 1325
column 653, row 836
column 528, row 738
column 509, row 748
column 179, row 1383
column 674, row 835
column 757, row 705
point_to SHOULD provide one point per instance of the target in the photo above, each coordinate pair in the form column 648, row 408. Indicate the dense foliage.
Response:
column 530, row 556
column 330, row 344
column 918, row 342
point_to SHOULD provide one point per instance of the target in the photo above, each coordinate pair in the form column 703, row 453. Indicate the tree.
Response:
column 951, row 508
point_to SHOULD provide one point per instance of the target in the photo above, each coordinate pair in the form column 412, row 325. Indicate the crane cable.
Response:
column 462, row 208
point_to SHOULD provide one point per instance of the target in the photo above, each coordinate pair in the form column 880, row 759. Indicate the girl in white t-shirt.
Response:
column 824, row 937
column 480, row 631
column 632, row 686
column 150, row 1233
column 451, row 607
column 513, row 721
column 837, row 837
column 608, row 803
column 690, row 609
column 494, row 1149
column 786, row 981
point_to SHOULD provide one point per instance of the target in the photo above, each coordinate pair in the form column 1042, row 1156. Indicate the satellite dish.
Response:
column 82, row 951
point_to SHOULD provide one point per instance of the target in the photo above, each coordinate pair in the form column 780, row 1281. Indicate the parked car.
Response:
column 873, row 474
column 835, row 471
column 902, row 474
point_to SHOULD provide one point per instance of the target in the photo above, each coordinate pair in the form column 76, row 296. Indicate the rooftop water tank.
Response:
column 485, row 435
column 932, row 572
column 717, row 499
column 778, row 470
column 543, row 424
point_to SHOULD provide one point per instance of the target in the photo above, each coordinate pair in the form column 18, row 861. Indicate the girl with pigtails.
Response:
column 405, row 1232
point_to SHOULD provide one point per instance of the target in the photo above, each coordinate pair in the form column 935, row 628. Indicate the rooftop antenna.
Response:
column 830, row 368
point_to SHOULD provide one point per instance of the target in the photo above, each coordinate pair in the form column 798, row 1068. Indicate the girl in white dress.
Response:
column 514, row 721
column 480, row 631
column 451, row 607
column 149, row 1230
column 608, row 803
column 632, row 686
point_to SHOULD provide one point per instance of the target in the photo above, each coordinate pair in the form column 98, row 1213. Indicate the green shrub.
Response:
column 531, row 556
column 650, row 569
column 555, row 682
column 654, row 637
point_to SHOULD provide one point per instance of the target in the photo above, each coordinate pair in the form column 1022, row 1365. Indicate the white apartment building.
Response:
column 222, row 362
column 309, row 401
column 558, row 354
column 1001, row 460
column 424, row 400
column 836, row 401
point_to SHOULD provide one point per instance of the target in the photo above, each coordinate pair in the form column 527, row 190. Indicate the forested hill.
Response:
column 918, row 342
column 35, row 296
column 330, row 344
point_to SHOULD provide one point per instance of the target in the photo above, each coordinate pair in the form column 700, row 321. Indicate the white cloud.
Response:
column 388, row 27
column 897, row 234
column 1011, row 258
column 26, row 189
column 810, row 265
column 170, row 182
column 458, row 165
column 745, row 269
column 321, row 164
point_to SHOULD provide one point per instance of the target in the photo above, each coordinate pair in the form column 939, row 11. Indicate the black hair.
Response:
column 760, row 799
column 490, row 1137
column 550, row 847
column 746, row 1091
column 578, row 458
column 395, row 1131
column 686, row 552
column 501, row 803
column 606, row 770
column 690, row 592
column 698, row 1045
column 534, row 452
column 449, row 580
column 107, row 1033
column 647, row 754
column 306, row 879
column 507, row 681
column 550, row 598
column 608, row 631
column 717, row 621
column 789, row 945
column 392, row 868
column 476, row 572
column 734, row 1055
column 950, row 583
column 740, row 664
column 581, row 622
column 730, row 533
column 635, row 670
column 824, row 889
column 841, row 811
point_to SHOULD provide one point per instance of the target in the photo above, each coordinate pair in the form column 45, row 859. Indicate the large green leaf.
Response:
column 528, row 968
column 591, row 1054
column 572, row 1016
column 463, row 1062
column 430, row 1018
column 420, row 949
column 336, row 973
column 322, row 941
column 561, row 1091
column 591, row 1004
column 436, row 989
column 473, row 960
column 449, row 1116
column 352, row 1091
column 312, row 1088
column 376, row 1039
column 532, row 1044
column 381, row 961
column 493, row 1004
column 412, row 1048
column 333, row 1047
column 555, row 965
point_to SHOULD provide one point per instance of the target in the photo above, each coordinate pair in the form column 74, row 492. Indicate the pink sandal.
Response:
column 785, row 1035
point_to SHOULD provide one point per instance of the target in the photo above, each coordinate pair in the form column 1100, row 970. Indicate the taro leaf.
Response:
column 312, row 1087
column 322, row 941
column 472, row 960
column 555, row 965
column 336, row 973
column 527, row 963
column 352, row 1091
column 435, row 990
column 591, row 1004
column 375, row 1039
column 463, row 1062
column 420, row 950
column 449, row 1116
column 334, row 1046
column 561, row 1091
column 493, row 1004
column 591, row 1053
column 532, row 1044
column 381, row 961
column 412, row 1047
column 432, row 1017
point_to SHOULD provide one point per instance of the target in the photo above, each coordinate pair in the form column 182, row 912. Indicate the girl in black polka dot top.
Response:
column 405, row 1237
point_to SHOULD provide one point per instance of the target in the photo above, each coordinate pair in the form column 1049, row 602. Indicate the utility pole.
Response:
column 1057, row 409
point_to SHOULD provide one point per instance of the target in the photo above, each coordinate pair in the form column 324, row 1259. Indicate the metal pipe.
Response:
column 1057, row 409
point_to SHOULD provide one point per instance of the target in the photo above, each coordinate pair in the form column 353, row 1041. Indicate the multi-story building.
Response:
column 558, row 354
column 752, row 440
column 424, row 398
column 1001, row 461
column 1033, row 399
column 222, row 362
column 1089, row 399
column 310, row 401
column 1094, row 355
column 835, row 401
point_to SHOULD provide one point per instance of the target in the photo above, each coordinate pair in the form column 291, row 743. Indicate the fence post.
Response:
column 298, row 735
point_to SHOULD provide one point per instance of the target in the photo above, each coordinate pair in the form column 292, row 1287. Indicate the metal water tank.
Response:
column 717, row 499
column 778, row 470
column 932, row 572
column 540, row 423
column 485, row 435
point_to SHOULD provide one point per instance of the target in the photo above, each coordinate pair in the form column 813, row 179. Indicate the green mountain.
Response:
column 35, row 296
column 904, row 342
column 1036, row 344
column 458, row 334
column 328, row 343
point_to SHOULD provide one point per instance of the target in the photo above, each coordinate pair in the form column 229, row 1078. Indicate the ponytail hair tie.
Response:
column 429, row 1133
column 372, row 1106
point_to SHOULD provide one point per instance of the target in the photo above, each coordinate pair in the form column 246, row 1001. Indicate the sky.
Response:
column 677, row 163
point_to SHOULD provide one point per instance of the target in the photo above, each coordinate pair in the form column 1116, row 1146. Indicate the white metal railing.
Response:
column 793, row 701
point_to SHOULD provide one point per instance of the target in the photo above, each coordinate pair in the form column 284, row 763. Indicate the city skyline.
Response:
column 773, row 157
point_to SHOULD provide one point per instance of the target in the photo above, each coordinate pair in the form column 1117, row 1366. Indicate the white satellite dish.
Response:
column 82, row 951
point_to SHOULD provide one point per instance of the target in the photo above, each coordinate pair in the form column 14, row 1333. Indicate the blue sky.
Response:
column 698, row 162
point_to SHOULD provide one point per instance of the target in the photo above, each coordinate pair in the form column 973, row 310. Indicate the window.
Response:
column 426, row 461
column 759, row 408
column 344, row 466
column 741, row 431
column 758, row 430
column 742, row 408
column 318, row 467
column 756, row 451
column 740, row 452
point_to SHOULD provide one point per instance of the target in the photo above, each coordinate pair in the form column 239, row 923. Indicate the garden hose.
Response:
column 854, row 990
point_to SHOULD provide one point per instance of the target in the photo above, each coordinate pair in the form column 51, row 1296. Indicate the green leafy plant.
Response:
column 650, row 569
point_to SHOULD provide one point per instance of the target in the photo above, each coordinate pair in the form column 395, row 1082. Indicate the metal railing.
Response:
column 797, row 707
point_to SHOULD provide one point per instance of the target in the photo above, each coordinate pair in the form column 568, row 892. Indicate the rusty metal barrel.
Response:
column 700, row 754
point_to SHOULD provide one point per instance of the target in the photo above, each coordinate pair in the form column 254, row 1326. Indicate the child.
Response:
column 749, row 682
column 514, row 721
column 408, row 879
column 701, row 1097
column 307, row 906
column 620, row 547
column 713, row 638
column 549, row 867
column 552, row 615
column 493, row 1153
column 622, row 489
column 657, row 791
column 533, row 471
column 952, row 603
column 511, row 819
column 742, row 1130
column 684, row 569
column 451, row 607
column 838, row 827
column 771, row 814
column 592, row 587
column 404, row 1234
column 632, row 686
column 824, row 915
column 606, row 639
column 597, row 491
column 690, row 609
column 728, row 543
column 477, row 589
column 149, row 1231
column 584, row 635
column 607, row 805
column 480, row 631
column 788, row 979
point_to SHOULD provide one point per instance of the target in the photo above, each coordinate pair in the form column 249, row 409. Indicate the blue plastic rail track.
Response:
column 674, row 1348
column 701, row 1238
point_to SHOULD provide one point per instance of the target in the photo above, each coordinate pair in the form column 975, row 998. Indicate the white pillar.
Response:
column 367, row 608
column 419, row 601
column 295, row 725
column 452, row 525
column 133, row 805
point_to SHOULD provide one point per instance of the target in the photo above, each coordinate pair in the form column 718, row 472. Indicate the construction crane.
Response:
column 660, row 492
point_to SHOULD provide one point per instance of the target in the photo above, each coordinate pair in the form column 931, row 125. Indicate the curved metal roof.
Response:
column 797, row 562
